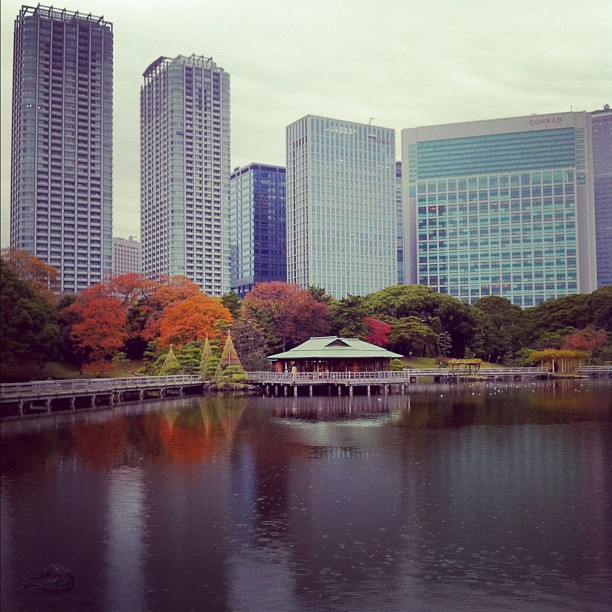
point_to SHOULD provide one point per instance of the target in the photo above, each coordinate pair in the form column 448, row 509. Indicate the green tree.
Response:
column 504, row 328
column 233, row 303
column 599, row 305
column 348, row 316
column 28, row 322
column 440, row 312
column 550, row 316
column 250, row 342
column 410, row 336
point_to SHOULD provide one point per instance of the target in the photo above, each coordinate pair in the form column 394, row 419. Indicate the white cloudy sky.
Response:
column 404, row 62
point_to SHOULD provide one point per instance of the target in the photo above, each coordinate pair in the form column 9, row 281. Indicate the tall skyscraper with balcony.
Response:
column 61, row 156
column 185, row 171
column 602, row 164
column 502, row 207
column 258, row 226
column 399, row 204
column 341, row 206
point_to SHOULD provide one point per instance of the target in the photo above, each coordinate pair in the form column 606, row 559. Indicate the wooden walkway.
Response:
column 47, row 396
column 277, row 383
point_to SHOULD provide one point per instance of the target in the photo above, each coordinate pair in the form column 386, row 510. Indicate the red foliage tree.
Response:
column 378, row 331
column 585, row 340
column 289, row 314
column 99, row 330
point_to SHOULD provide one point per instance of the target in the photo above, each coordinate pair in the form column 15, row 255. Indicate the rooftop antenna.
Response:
column 371, row 119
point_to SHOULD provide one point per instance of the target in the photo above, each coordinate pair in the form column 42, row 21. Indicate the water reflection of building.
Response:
column 341, row 408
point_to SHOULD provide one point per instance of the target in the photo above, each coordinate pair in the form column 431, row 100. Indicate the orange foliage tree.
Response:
column 192, row 319
column 42, row 277
column 168, row 291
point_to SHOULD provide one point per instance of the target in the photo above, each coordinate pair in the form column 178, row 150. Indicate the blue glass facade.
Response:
column 258, row 226
column 505, row 213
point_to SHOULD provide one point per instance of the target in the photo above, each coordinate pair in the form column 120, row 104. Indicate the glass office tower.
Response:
column 62, row 134
column 185, row 171
column 341, row 206
column 258, row 226
column 502, row 207
column 602, row 164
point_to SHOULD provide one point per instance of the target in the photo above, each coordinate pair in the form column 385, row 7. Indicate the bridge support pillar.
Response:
column 311, row 390
column 141, row 394
column 369, row 391
column 285, row 390
column 339, row 390
column 350, row 390
column 92, row 401
column 73, row 403
column 48, row 405
column 295, row 390
column 20, row 408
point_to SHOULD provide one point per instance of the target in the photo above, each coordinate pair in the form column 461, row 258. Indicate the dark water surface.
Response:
column 473, row 497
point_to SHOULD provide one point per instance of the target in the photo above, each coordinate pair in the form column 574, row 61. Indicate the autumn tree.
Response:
column 193, row 319
column 288, row 314
column 588, row 339
column 378, row 331
column 169, row 290
column 99, row 330
column 41, row 277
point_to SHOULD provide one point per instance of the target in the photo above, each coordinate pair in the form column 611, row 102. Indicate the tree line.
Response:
column 131, row 317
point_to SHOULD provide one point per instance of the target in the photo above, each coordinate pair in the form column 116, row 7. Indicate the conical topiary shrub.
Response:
column 171, row 364
column 230, row 369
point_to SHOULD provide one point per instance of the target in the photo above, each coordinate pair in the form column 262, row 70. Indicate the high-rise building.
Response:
column 399, row 206
column 258, row 226
column 502, row 207
column 185, row 171
column 341, row 206
column 602, row 169
column 61, row 157
column 126, row 256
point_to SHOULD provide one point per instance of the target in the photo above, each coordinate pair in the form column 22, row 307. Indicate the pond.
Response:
column 476, row 496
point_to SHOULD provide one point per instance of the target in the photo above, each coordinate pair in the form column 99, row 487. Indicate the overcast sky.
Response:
column 406, row 63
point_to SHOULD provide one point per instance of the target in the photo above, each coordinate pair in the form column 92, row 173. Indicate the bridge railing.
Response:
column 385, row 376
column 47, row 388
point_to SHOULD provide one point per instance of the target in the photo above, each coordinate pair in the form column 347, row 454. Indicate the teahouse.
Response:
column 334, row 354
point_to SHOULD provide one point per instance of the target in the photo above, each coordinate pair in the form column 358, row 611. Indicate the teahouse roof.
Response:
column 334, row 347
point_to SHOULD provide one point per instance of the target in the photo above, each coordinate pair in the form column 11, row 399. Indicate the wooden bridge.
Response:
column 22, row 399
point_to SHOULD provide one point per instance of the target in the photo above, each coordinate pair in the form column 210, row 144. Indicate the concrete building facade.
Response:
column 185, row 171
column 126, row 256
column 62, row 137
